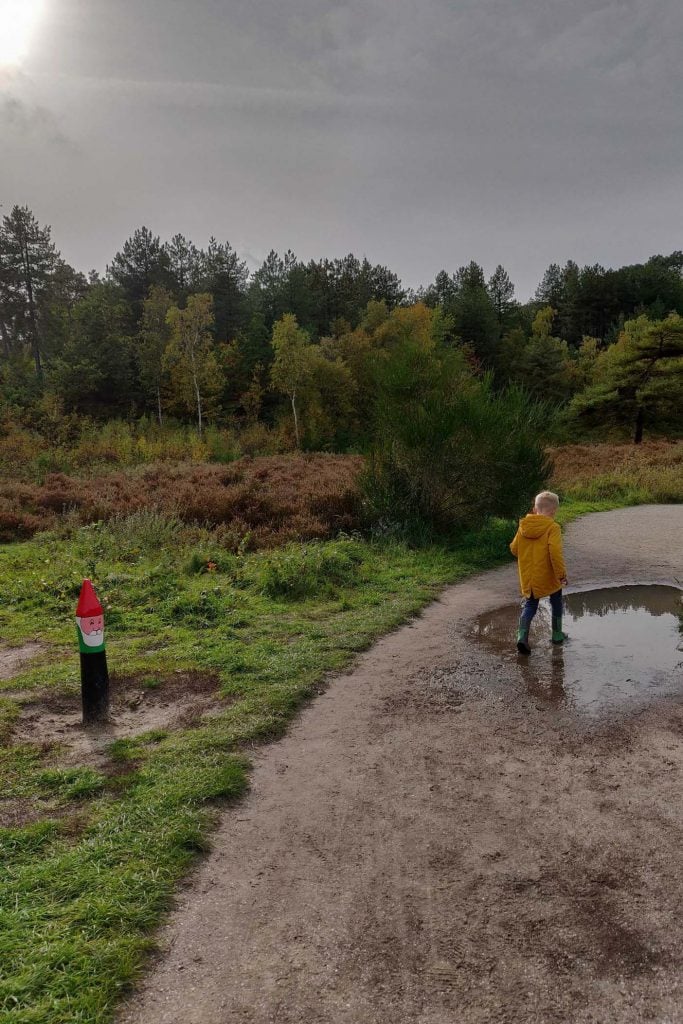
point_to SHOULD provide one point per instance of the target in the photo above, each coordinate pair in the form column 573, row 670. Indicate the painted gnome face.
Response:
column 92, row 628
column 89, row 620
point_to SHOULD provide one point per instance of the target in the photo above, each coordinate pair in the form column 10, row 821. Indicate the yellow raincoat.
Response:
column 538, row 549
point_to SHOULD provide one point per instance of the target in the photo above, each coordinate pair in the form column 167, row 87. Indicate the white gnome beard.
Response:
column 94, row 639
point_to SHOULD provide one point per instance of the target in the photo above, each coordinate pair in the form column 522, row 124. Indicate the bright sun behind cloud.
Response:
column 18, row 19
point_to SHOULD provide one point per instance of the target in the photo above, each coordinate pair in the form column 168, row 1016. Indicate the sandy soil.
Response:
column 434, row 841
column 14, row 659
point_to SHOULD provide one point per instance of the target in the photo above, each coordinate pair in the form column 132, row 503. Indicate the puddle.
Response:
column 625, row 647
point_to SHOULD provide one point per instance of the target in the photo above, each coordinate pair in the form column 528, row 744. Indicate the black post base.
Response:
column 94, row 687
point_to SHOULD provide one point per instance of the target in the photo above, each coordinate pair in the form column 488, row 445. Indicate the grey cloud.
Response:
column 30, row 120
column 421, row 132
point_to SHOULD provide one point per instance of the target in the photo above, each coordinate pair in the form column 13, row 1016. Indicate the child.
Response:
column 538, row 549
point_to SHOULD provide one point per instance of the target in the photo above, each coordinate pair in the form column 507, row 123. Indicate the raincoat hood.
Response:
column 534, row 526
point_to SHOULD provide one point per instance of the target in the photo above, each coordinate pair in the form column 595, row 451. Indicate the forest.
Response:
column 293, row 354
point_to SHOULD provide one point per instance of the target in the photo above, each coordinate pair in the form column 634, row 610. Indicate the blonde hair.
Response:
column 546, row 503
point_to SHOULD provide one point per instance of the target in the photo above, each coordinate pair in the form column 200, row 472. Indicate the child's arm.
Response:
column 515, row 544
column 555, row 552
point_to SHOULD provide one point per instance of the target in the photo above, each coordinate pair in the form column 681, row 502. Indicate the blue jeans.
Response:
column 530, row 607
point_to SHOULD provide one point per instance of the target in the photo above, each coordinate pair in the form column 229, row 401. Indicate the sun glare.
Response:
column 18, row 19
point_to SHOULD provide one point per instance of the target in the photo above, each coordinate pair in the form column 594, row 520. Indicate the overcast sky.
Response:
column 421, row 133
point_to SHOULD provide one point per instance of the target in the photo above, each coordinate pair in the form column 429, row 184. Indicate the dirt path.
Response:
column 435, row 842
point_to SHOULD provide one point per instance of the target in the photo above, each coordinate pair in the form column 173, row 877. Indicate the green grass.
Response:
column 78, row 903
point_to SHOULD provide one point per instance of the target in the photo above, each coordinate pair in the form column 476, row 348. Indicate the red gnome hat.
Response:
column 88, row 603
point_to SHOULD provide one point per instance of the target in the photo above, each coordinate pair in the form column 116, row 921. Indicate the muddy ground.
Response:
column 137, row 705
column 438, row 840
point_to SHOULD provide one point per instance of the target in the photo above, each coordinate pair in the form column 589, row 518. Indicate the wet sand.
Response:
column 436, row 842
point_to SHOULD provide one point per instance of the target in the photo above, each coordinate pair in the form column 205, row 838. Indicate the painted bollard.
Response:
column 94, row 673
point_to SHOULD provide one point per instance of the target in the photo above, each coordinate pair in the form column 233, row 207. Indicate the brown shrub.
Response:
column 574, row 462
column 651, row 471
column 268, row 500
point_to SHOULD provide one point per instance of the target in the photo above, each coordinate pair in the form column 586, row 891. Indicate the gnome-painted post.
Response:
column 94, row 673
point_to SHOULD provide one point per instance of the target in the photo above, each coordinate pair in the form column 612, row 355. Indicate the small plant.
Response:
column 151, row 683
column 200, row 562
column 123, row 750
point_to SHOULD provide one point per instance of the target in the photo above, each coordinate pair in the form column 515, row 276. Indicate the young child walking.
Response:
column 538, row 549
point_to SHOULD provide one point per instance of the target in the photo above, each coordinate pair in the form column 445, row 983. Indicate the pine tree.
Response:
column 27, row 259
column 502, row 293
column 142, row 262
column 638, row 380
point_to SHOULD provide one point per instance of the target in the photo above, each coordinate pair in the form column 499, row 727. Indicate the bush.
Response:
column 145, row 531
column 300, row 571
column 201, row 611
column 259, row 439
column 448, row 450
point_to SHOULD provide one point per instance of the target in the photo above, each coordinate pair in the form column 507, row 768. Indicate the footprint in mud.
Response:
column 625, row 646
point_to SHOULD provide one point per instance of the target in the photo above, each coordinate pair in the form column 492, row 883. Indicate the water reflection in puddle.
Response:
column 624, row 645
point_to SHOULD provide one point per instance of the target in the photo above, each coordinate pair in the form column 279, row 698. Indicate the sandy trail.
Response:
column 434, row 841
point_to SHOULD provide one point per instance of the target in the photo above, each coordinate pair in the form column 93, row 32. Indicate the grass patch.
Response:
column 71, row 783
column 77, row 910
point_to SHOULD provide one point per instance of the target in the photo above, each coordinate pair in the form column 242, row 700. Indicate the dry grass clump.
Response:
column 651, row 471
column 255, row 503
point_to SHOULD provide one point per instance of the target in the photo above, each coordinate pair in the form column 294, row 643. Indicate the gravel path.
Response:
column 435, row 842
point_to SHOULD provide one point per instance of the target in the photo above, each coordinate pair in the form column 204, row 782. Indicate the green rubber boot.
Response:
column 558, row 636
column 523, row 639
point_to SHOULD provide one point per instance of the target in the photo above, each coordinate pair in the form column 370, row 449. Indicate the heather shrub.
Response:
column 17, row 525
column 250, row 503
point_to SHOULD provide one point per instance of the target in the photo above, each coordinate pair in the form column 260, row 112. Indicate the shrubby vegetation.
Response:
column 445, row 442
column 619, row 474
column 247, row 505
column 179, row 355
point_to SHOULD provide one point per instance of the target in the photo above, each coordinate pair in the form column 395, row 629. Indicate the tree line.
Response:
column 173, row 330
